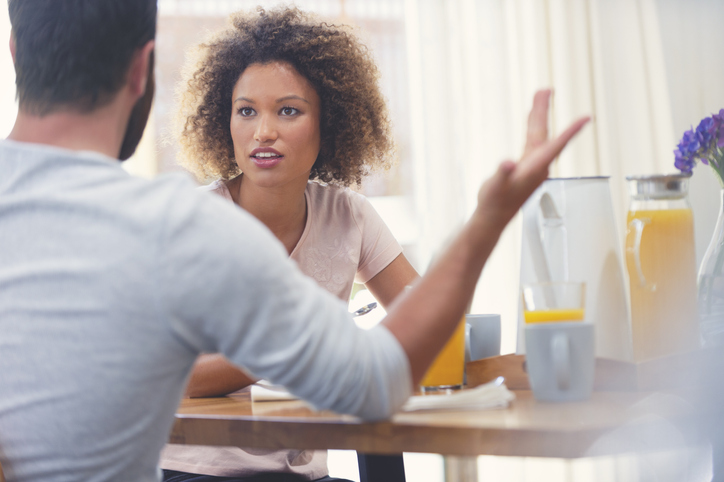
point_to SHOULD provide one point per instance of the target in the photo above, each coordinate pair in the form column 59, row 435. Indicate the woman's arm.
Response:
column 213, row 376
column 388, row 283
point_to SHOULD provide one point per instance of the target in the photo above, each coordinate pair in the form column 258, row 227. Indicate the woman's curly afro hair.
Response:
column 355, row 131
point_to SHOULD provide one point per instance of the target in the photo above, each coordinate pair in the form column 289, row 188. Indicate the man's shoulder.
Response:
column 96, row 182
column 74, row 170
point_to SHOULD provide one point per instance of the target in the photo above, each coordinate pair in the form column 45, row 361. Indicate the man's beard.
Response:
column 139, row 116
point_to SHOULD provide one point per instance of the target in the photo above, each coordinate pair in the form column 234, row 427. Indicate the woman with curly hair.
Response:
column 283, row 113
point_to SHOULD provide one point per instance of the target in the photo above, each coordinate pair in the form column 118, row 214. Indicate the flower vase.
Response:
column 711, row 285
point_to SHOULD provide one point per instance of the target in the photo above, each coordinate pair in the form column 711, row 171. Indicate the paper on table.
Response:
column 490, row 395
column 263, row 391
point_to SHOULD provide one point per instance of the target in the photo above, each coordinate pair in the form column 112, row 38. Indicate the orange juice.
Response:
column 554, row 315
column 448, row 367
column 662, row 275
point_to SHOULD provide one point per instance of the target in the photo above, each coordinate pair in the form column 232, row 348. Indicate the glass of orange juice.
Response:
column 554, row 301
column 446, row 371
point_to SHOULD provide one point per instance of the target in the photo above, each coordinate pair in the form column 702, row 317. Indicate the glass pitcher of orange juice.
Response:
column 661, row 266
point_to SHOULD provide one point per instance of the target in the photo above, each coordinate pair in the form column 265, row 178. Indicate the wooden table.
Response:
column 608, row 424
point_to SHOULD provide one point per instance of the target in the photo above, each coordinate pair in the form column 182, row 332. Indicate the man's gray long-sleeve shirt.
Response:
column 110, row 286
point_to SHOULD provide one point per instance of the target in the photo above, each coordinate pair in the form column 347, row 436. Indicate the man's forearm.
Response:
column 423, row 320
column 443, row 293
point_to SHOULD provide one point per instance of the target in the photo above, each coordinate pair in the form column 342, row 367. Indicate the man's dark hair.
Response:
column 75, row 54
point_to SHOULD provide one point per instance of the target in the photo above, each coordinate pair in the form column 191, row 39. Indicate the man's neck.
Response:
column 98, row 131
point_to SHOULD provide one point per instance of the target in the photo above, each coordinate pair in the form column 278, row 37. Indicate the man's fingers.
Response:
column 506, row 168
column 503, row 194
column 539, row 160
column 557, row 144
column 538, row 120
column 550, row 150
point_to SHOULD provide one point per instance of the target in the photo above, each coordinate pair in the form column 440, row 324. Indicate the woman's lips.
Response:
column 266, row 162
column 265, row 157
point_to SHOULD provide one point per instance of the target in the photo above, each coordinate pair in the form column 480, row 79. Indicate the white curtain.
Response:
column 645, row 69
column 475, row 64
column 693, row 36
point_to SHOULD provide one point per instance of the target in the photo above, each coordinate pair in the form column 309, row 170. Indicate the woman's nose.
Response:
column 265, row 130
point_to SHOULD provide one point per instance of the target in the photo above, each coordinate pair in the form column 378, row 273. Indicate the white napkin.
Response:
column 263, row 391
column 490, row 395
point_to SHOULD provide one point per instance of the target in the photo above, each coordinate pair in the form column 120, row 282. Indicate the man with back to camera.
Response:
column 110, row 286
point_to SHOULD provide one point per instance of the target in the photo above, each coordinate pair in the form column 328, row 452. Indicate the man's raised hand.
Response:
column 502, row 195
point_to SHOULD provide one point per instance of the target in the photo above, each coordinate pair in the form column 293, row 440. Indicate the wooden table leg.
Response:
column 461, row 469
column 381, row 468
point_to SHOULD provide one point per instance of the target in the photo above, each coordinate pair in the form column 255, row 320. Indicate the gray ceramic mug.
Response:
column 560, row 360
column 482, row 336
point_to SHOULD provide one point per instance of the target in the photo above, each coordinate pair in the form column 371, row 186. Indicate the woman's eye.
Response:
column 289, row 111
column 246, row 111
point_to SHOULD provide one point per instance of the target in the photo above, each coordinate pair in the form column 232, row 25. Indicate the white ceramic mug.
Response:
column 482, row 336
column 560, row 360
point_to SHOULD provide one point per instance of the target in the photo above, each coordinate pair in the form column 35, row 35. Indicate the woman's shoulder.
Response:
column 332, row 194
column 333, row 202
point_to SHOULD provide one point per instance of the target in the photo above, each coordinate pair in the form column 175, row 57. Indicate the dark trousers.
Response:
column 173, row 476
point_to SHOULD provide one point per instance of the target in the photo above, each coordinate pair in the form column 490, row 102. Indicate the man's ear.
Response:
column 138, row 73
column 12, row 45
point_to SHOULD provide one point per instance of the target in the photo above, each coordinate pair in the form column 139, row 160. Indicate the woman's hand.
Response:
column 214, row 376
column 501, row 196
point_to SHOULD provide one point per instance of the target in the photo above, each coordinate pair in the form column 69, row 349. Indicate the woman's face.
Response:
column 275, row 124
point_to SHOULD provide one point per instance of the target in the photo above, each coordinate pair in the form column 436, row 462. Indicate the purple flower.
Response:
column 689, row 144
column 683, row 163
column 705, row 131
column 705, row 144
column 718, row 121
column 719, row 118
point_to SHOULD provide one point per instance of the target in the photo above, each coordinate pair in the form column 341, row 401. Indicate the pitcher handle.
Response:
column 560, row 350
column 638, row 225
column 533, row 234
